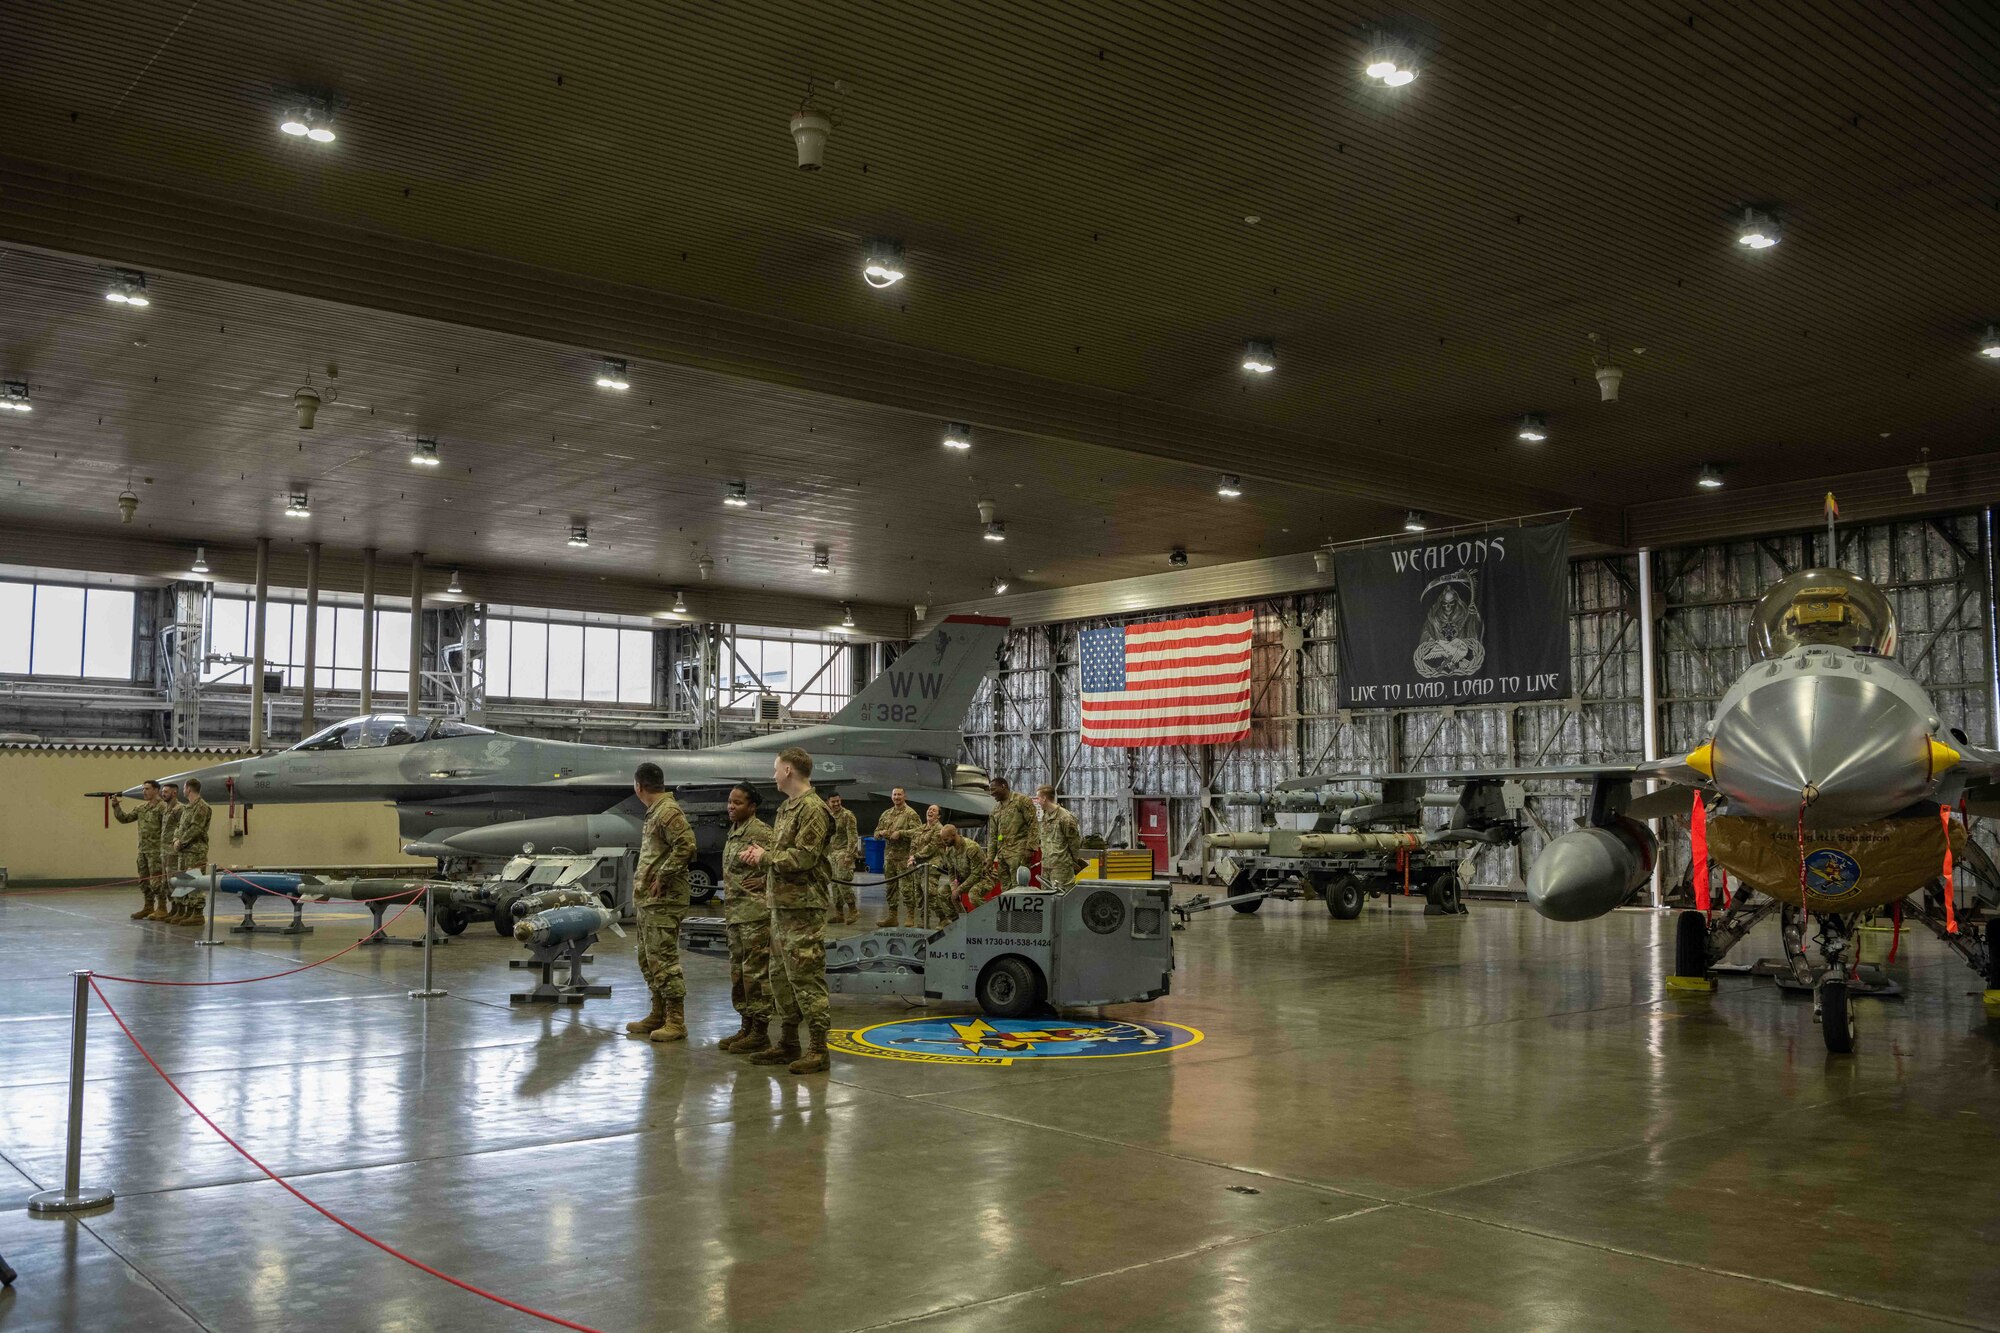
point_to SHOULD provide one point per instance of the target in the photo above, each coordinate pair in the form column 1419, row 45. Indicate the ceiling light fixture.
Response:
column 611, row 374
column 999, row 586
column 1709, row 478
column 311, row 119
column 704, row 567
column 579, row 536
column 680, row 602
column 455, row 587
column 424, row 453
column 14, row 396
column 822, row 562
column 128, row 505
column 1414, row 522
column 128, row 287
column 1260, row 356
column 957, row 435
column 298, row 505
column 1393, row 65
column 1230, row 487
column 1758, row 231
column 1990, row 345
column 846, row 616
column 1532, row 428
column 200, row 565
column 996, row 531
column 883, row 266
column 736, row 495
column 1920, row 473
column 1178, row 557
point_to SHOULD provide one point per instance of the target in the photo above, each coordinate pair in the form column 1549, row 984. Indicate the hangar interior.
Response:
column 507, row 352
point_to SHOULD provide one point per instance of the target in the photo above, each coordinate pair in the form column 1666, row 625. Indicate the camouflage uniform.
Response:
column 191, row 833
column 895, row 828
column 749, row 918
column 170, row 858
column 148, row 817
column 1062, row 850
column 797, row 891
column 660, row 888
column 844, row 847
column 925, row 844
column 1013, row 825
column 959, row 868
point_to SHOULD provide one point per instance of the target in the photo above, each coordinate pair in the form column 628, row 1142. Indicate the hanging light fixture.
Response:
column 996, row 531
column 1532, row 428
column 1230, row 487
column 309, row 119
column 822, row 562
column 736, row 495
column 14, row 396
column 883, row 263
column 455, row 588
column 1989, row 346
column 611, row 374
column 1392, row 64
column 424, row 453
column 957, row 435
column 680, row 602
column 1000, row 585
column 128, row 287
column 846, row 616
column 298, row 505
column 1758, row 231
column 1709, row 478
column 200, row 565
column 579, row 536
column 1414, row 522
column 1260, row 356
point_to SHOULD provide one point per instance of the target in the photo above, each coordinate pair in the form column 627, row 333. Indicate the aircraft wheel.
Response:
column 452, row 921
column 1344, row 896
column 1010, row 987
column 1836, row 1017
column 1690, row 945
column 503, row 916
column 701, row 884
column 1442, row 893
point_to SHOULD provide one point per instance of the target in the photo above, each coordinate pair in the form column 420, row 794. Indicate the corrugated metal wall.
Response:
column 1934, row 571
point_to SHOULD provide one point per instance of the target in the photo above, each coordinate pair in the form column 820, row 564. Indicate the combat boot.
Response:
column 815, row 1059
column 645, row 1027
column 145, row 909
column 728, row 1043
column 786, row 1051
column 675, row 1026
column 754, row 1042
column 890, row 920
column 159, row 909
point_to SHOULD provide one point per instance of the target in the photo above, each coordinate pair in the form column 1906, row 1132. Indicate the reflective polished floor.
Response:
column 1396, row 1122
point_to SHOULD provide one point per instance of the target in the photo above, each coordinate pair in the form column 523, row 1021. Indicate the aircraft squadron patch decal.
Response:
column 975, row 1040
column 1832, row 873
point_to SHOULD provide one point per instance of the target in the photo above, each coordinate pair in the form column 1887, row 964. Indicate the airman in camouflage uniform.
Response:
column 1013, row 826
column 1062, row 842
column 190, row 844
column 148, row 818
column 960, row 866
column 842, row 851
column 660, row 890
column 924, row 845
column 748, row 914
column 895, row 828
column 799, row 876
column 170, row 857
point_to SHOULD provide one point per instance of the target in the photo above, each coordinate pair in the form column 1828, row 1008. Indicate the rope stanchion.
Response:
column 313, row 1204
column 244, row 981
column 73, row 1197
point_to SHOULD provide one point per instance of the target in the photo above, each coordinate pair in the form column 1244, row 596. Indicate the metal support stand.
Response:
column 561, row 967
column 208, row 939
column 429, row 992
column 73, row 1197
column 379, row 935
column 249, row 926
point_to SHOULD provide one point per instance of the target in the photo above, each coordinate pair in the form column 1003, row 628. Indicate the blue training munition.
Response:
column 560, row 925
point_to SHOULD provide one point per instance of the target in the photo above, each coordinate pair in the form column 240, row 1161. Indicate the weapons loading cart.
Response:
column 1358, row 846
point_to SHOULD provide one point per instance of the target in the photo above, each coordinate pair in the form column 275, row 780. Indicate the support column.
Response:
column 416, row 631
column 367, row 631
column 1649, row 698
column 257, row 645
column 308, row 717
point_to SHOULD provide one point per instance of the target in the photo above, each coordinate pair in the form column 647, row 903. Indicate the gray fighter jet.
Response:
column 462, row 791
column 1826, row 786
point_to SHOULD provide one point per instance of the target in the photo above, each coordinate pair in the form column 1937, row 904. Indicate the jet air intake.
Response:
column 1587, row 872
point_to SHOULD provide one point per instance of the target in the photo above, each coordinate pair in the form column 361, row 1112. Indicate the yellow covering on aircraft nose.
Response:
column 1943, row 758
column 1702, row 761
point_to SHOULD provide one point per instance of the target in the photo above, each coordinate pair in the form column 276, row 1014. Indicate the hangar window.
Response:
column 52, row 629
column 542, row 659
column 814, row 667
column 337, row 649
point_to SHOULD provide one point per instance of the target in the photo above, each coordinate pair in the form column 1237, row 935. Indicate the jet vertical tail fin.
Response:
column 930, row 687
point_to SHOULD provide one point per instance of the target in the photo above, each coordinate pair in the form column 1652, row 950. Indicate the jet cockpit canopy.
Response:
column 378, row 729
column 1822, row 607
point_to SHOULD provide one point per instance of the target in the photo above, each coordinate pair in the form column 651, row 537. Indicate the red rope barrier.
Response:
column 77, row 888
column 244, row 981
column 306, row 897
column 317, row 1207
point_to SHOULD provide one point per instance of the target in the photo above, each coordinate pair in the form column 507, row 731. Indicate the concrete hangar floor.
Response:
column 1396, row 1122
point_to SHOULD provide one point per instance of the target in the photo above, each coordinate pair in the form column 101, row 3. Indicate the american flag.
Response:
column 1167, row 682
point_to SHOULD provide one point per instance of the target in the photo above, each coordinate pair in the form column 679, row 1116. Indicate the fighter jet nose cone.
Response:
column 1846, row 747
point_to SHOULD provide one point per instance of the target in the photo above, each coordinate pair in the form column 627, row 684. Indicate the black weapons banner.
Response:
column 1481, row 618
